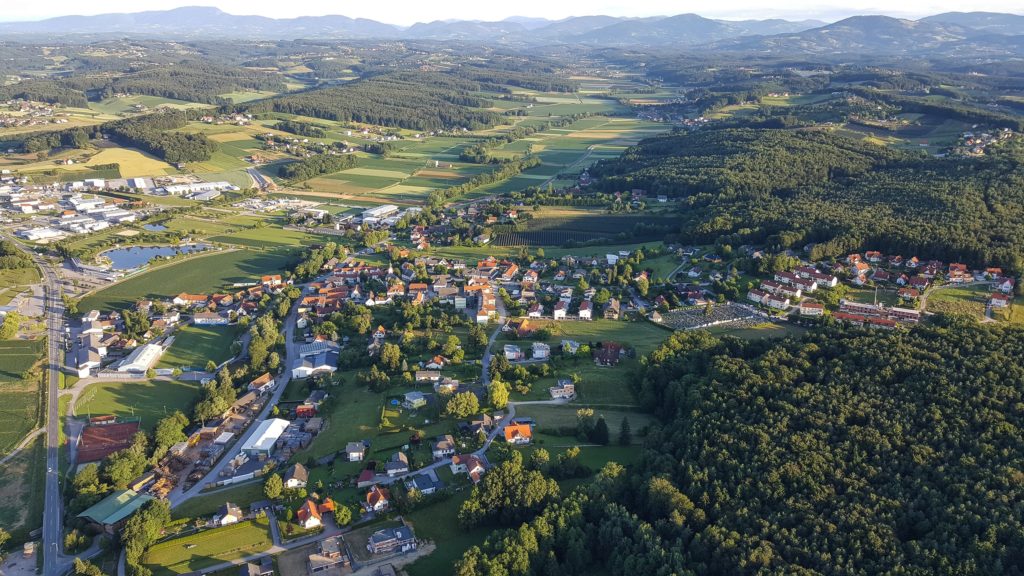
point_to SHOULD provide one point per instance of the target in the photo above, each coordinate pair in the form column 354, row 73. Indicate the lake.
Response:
column 154, row 227
column 135, row 256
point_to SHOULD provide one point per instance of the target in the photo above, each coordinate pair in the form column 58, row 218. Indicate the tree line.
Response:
column 154, row 134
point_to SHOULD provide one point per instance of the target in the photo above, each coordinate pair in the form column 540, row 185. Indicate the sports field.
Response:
column 21, row 393
column 201, row 274
column 149, row 400
column 195, row 345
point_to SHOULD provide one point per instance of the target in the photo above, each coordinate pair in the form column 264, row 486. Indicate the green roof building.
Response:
column 115, row 509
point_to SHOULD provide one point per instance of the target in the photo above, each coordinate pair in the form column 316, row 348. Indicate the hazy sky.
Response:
column 406, row 12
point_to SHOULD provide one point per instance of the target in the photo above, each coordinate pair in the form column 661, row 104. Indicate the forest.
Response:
column 192, row 81
column 154, row 134
column 44, row 90
column 790, row 188
column 301, row 129
column 845, row 451
column 316, row 165
column 412, row 100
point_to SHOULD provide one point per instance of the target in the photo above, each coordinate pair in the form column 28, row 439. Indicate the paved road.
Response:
column 179, row 495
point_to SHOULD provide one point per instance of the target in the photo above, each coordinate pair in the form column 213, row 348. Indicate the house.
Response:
column 446, row 386
column 428, row 375
column 481, row 424
column 565, row 389
column 444, row 447
column 297, row 477
column 999, row 300
column 191, row 300
column 377, row 499
column 424, row 484
column 366, row 478
column 611, row 309
column 757, row 296
column 308, row 515
column 513, row 353
column 541, row 351
column 316, row 364
column 694, row 272
column 263, row 384
column 209, row 319
column 812, row 308
column 908, row 294
column 516, row 433
column 264, row 568
column 536, row 310
column 397, row 464
column 776, row 302
column 609, row 354
column 228, row 514
column 330, row 554
column 436, row 363
column 1004, row 285
column 391, row 540
column 355, row 451
column 560, row 309
column 414, row 400
column 468, row 464
column 586, row 310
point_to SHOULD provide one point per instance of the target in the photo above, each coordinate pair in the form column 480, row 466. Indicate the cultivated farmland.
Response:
column 21, row 395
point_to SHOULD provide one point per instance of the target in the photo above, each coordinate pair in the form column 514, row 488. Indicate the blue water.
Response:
column 154, row 227
column 135, row 256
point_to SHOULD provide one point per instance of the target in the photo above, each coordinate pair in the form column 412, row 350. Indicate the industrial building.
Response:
column 261, row 443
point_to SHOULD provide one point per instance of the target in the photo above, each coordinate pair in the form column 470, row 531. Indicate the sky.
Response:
column 406, row 12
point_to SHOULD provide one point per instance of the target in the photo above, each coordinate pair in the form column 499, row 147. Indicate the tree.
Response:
column 462, row 405
column 273, row 486
column 451, row 345
column 86, row 568
column 497, row 394
column 343, row 515
column 9, row 328
column 211, row 366
column 390, row 356
column 642, row 285
column 499, row 365
column 169, row 431
column 600, row 432
column 625, row 434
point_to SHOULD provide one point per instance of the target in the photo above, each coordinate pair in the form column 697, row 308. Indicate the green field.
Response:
column 968, row 300
column 267, row 237
column 195, row 345
column 201, row 274
column 21, row 392
column 548, row 417
column 766, row 330
column 208, row 548
column 206, row 505
column 127, row 104
column 149, row 400
column 242, row 97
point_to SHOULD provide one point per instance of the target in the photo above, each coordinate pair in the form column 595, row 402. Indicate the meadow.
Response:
column 200, row 274
column 21, row 502
column 132, row 163
column 14, row 281
column 149, row 400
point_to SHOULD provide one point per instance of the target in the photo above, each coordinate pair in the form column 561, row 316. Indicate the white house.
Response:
column 297, row 477
column 513, row 352
column 444, row 447
column 586, row 310
column 541, row 351
column 228, row 514
column 560, row 309
column 315, row 364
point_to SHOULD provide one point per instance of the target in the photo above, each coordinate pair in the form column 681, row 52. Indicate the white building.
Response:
column 262, row 441
column 197, row 187
column 141, row 359
column 36, row 234
column 380, row 212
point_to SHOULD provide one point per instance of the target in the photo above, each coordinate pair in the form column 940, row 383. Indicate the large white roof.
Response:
column 266, row 434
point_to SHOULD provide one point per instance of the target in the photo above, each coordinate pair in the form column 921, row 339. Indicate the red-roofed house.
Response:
column 377, row 499
column 309, row 515
column 517, row 433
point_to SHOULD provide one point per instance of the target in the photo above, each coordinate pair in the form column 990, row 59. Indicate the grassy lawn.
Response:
column 641, row 335
column 150, row 399
column 555, row 416
column 14, row 281
column 195, row 345
column 208, row 548
column 440, row 523
column 201, row 274
column 207, row 504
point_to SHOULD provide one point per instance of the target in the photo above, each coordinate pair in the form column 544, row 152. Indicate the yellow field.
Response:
column 230, row 136
column 133, row 162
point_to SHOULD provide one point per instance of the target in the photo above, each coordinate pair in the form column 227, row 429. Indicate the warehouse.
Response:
column 261, row 443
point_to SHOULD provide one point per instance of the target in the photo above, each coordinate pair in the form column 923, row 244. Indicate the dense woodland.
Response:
column 155, row 134
column 192, row 81
column 843, row 452
column 413, row 100
column 316, row 165
column 794, row 187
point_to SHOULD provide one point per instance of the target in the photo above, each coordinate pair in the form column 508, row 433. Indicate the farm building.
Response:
column 111, row 512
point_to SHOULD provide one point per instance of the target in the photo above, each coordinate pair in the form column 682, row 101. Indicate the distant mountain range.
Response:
column 953, row 32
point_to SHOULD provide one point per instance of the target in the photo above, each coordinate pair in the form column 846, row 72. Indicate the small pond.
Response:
column 135, row 256
column 154, row 227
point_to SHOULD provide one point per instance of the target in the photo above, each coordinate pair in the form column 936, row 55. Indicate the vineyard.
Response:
column 565, row 228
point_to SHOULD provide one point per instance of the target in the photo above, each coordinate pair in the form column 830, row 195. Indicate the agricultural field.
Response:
column 267, row 237
column 21, row 500
column 208, row 548
column 205, row 273
column 127, row 104
column 149, row 400
column 132, row 163
column 195, row 345
column 562, row 226
column 242, row 97
column 757, row 331
column 21, row 393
